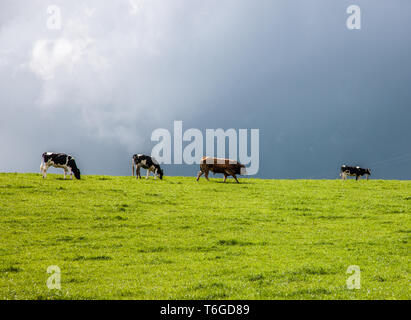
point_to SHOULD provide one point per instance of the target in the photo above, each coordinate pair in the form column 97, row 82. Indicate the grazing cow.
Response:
column 146, row 162
column 354, row 171
column 217, row 165
column 59, row 160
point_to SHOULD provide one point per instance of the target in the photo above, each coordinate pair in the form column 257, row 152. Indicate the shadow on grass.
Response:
column 12, row 269
column 93, row 258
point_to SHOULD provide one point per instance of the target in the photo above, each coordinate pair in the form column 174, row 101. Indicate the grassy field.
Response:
column 118, row 238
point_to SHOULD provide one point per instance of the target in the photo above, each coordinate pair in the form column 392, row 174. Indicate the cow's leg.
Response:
column 148, row 173
column 138, row 172
column 45, row 171
column 65, row 172
column 225, row 177
column 235, row 178
column 206, row 175
column 367, row 177
column 357, row 177
column 199, row 174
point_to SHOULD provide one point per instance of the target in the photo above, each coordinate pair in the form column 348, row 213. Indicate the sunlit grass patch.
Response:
column 119, row 238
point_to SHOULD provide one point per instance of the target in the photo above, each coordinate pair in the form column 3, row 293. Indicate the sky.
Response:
column 320, row 94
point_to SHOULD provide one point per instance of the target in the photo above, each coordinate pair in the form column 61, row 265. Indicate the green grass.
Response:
column 118, row 238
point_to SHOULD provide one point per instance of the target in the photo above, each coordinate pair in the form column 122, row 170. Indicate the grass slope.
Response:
column 115, row 237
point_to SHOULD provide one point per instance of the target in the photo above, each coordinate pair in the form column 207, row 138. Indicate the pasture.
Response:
column 118, row 238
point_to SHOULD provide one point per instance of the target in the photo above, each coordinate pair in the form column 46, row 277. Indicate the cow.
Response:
column 59, row 160
column 218, row 165
column 354, row 171
column 148, row 163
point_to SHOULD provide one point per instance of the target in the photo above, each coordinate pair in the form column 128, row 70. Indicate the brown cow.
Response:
column 218, row 165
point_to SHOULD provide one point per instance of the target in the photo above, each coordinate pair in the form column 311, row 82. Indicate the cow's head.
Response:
column 72, row 164
column 160, row 173
column 76, row 173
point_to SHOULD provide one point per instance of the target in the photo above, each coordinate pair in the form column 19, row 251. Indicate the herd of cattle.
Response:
column 216, row 165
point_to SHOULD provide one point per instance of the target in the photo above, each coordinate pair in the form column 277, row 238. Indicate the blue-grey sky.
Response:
column 320, row 94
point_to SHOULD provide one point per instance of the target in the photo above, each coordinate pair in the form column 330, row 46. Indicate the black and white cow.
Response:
column 59, row 160
column 146, row 162
column 354, row 171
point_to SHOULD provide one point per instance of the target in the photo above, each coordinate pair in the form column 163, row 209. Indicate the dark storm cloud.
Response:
column 320, row 94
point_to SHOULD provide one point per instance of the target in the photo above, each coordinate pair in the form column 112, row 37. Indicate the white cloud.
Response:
column 109, row 67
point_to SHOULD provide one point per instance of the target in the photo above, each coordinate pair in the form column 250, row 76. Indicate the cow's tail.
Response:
column 132, row 166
